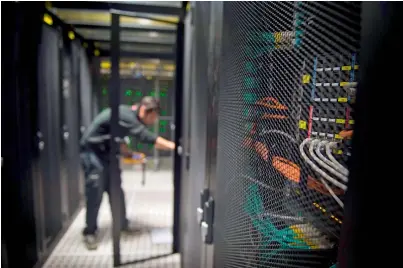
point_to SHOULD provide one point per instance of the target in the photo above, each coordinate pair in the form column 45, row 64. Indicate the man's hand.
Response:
column 163, row 144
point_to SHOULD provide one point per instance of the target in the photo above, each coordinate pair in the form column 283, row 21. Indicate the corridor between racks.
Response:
column 149, row 206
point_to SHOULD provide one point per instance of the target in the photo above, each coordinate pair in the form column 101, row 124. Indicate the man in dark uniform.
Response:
column 95, row 150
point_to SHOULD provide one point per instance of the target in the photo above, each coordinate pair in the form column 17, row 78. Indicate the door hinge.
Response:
column 208, row 221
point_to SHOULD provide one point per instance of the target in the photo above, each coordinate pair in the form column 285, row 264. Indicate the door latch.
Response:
column 204, row 195
column 208, row 222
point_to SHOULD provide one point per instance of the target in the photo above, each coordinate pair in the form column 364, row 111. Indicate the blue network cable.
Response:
column 315, row 63
column 352, row 73
column 353, row 59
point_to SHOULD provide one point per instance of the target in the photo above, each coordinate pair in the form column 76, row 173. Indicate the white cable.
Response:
column 329, row 147
column 321, row 172
column 336, row 198
column 327, row 161
column 318, row 170
column 278, row 132
column 323, row 164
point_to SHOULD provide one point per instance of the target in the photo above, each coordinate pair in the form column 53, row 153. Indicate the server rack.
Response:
column 286, row 74
column 46, row 109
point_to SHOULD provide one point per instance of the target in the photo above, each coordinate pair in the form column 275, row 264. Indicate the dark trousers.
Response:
column 97, row 178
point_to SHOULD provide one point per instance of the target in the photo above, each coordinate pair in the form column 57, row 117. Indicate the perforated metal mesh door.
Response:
column 284, row 71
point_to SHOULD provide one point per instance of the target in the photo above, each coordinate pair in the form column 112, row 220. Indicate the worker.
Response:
column 95, row 154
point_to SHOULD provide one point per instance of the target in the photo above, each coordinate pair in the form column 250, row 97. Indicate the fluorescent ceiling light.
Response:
column 144, row 21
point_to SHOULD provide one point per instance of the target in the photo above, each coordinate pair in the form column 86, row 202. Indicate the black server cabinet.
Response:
column 70, row 126
column 75, row 121
column 49, row 127
column 280, row 59
column 19, row 158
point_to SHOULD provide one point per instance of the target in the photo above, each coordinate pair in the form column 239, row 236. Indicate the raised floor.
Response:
column 150, row 206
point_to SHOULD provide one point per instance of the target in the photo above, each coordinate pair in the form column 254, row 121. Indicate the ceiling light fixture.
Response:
column 144, row 21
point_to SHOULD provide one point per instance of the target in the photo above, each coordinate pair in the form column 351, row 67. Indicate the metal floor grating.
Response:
column 150, row 207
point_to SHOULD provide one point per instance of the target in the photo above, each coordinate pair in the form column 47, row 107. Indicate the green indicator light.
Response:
column 152, row 94
column 140, row 146
column 163, row 113
column 163, row 122
column 138, row 93
column 163, row 94
column 162, row 129
column 128, row 92
column 104, row 91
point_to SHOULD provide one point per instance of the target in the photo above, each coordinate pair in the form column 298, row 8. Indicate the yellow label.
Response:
column 71, row 35
column 302, row 124
column 337, row 136
column 342, row 99
column 339, row 152
column 277, row 37
column 342, row 84
column 351, row 122
column 340, row 121
column 356, row 67
column 346, row 68
column 306, row 79
column 47, row 19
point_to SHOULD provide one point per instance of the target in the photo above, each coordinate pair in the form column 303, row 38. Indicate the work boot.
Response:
column 91, row 241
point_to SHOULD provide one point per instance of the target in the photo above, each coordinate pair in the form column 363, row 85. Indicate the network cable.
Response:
column 322, row 173
column 329, row 147
column 337, row 167
column 322, row 163
column 318, row 170
column 313, row 142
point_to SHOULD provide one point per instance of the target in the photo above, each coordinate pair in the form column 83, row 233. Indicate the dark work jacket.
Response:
column 98, row 135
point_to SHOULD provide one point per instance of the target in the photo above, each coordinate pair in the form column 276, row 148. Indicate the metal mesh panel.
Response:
column 283, row 74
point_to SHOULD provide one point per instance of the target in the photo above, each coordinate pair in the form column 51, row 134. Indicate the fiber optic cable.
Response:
column 315, row 63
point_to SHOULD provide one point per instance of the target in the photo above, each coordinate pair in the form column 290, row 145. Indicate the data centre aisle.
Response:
column 150, row 206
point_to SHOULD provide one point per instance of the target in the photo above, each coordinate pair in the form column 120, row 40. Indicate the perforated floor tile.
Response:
column 149, row 206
